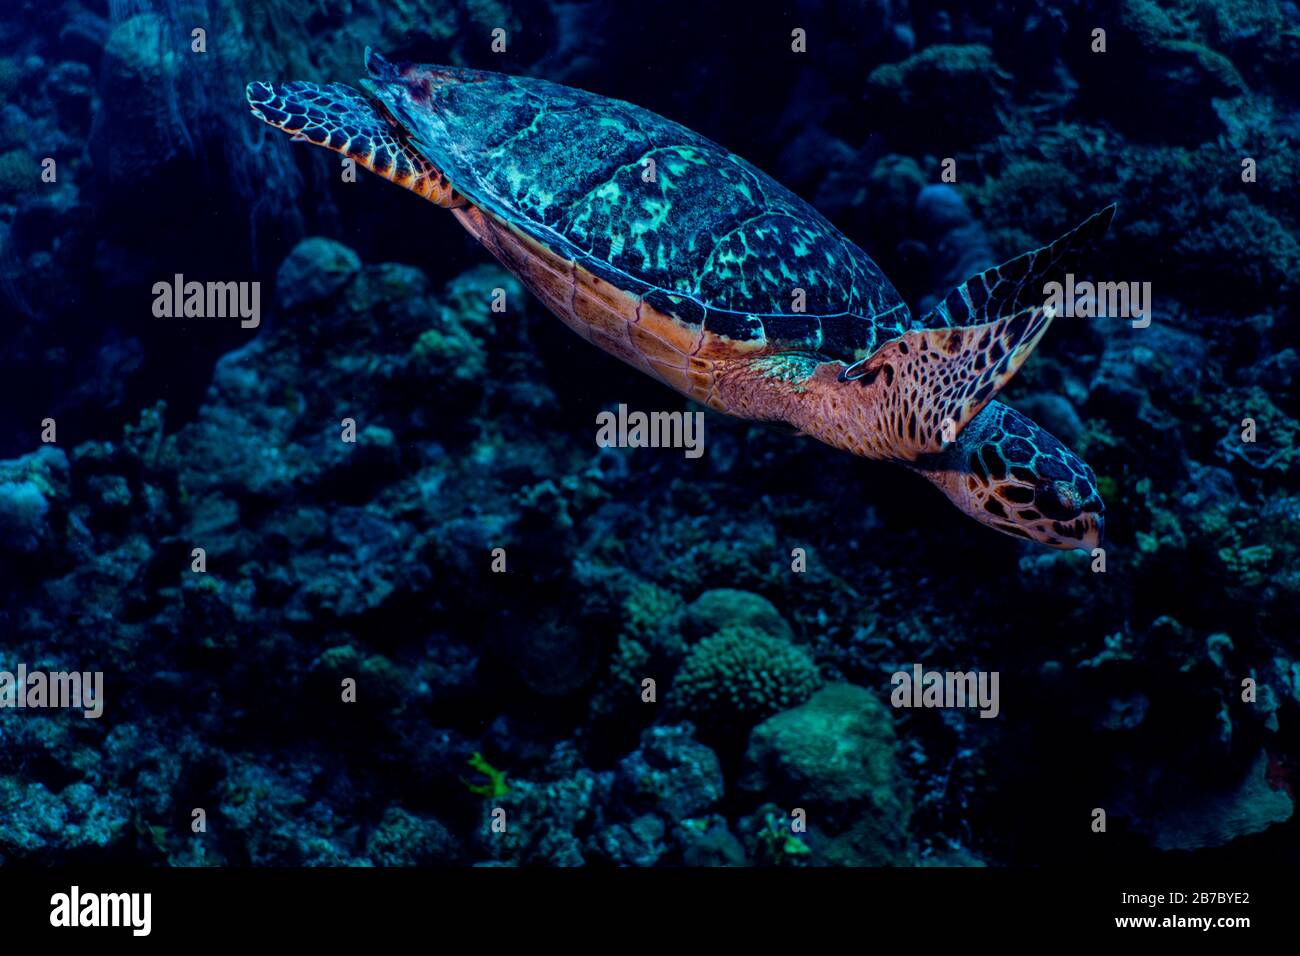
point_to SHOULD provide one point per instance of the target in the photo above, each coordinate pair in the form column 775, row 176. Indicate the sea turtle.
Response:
column 690, row 264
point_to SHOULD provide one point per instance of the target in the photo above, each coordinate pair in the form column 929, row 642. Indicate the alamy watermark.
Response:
column 55, row 690
column 921, row 688
column 1090, row 300
column 179, row 299
column 133, row 911
column 626, row 429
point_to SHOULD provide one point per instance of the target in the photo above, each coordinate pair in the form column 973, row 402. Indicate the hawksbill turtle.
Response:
column 688, row 263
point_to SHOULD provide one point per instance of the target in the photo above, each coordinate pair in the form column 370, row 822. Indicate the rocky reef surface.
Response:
column 483, row 693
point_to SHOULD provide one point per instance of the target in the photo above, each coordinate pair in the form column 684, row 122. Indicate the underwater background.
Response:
column 371, row 562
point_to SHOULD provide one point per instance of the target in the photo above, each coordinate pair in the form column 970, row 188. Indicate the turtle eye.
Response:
column 1057, row 499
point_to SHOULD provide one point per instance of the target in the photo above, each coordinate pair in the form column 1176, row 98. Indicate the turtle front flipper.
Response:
column 923, row 387
column 341, row 119
column 1019, row 282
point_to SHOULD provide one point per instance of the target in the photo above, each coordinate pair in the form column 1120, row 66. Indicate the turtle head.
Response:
column 410, row 91
column 1005, row 471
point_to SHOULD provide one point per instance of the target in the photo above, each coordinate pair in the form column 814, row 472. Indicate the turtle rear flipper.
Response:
column 341, row 119
column 930, row 382
column 1017, row 283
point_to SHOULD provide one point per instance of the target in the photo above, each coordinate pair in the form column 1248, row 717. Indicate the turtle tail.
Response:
column 341, row 119
column 1017, row 283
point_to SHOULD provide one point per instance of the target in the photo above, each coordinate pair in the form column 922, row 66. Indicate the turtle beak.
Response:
column 1093, row 537
column 379, row 68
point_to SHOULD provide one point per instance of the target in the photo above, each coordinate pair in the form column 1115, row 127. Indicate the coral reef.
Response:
column 741, row 675
column 835, row 757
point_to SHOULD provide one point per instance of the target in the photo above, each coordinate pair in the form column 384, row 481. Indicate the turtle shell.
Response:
column 647, row 205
